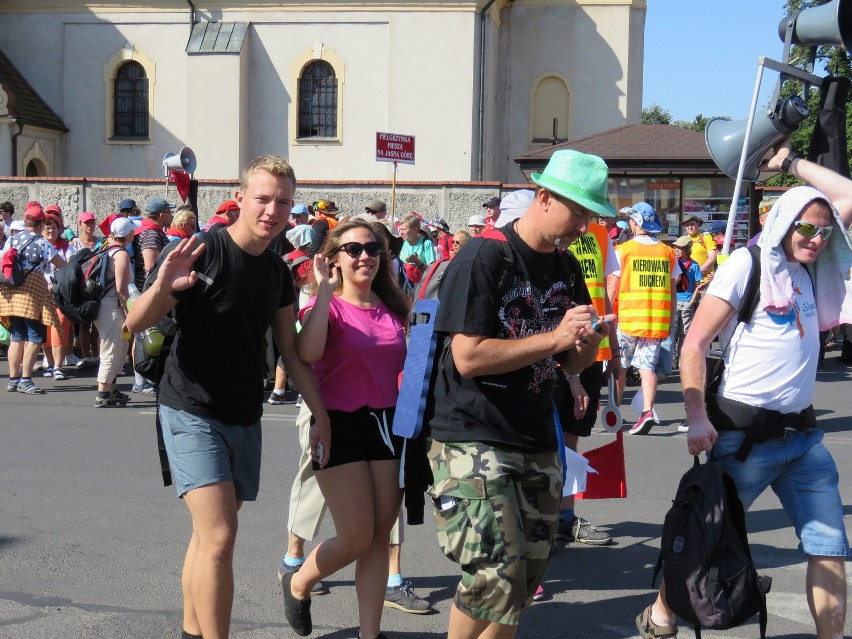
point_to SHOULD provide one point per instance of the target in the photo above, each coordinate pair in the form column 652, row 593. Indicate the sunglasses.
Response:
column 354, row 249
column 808, row 230
column 456, row 242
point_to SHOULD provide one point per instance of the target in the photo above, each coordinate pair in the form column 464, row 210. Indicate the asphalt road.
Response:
column 91, row 543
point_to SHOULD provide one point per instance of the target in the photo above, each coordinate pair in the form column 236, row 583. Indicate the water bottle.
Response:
column 152, row 338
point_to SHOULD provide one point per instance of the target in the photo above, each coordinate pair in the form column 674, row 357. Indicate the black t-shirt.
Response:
column 513, row 409
column 216, row 365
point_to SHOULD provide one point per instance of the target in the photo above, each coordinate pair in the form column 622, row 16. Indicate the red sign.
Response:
column 392, row 147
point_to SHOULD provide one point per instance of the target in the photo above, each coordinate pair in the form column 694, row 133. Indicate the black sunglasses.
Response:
column 354, row 249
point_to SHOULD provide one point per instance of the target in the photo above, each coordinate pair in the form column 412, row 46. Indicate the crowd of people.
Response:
column 543, row 297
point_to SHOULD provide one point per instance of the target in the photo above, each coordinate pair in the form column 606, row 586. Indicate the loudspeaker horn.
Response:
column 183, row 161
column 827, row 24
column 725, row 138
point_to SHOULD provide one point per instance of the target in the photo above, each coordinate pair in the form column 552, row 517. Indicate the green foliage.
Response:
column 698, row 124
column 655, row 114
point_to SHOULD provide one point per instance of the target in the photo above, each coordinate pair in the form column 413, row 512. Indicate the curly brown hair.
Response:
column 384, row 284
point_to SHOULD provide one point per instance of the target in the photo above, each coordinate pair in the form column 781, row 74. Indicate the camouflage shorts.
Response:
column 496, row 512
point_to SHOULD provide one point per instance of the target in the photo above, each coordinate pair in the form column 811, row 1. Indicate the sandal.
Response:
column 649, row 630
column 29, row 388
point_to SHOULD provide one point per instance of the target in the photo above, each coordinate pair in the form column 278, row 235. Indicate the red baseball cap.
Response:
column 34, row 213
column 53, row 208
column 228, row 205
column 86, row 216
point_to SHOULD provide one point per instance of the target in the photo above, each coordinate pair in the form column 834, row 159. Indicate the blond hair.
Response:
column 274, row 164
column 183, row 215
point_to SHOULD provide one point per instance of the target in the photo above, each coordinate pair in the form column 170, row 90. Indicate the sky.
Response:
column 701, row 55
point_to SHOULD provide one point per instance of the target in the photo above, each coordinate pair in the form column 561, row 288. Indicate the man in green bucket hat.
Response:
column 512, row 306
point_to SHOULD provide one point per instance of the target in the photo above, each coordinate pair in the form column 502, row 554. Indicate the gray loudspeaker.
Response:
column 725, row 138
column 185, row 160
column 827, row 24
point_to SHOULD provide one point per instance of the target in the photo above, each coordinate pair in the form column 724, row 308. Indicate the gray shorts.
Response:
column 204, row 451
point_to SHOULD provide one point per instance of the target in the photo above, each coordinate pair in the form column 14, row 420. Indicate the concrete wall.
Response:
column 455, row 202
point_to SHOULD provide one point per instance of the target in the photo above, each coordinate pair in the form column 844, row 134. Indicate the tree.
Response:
column 698, row 124
column 836, row 62
column 655, row 114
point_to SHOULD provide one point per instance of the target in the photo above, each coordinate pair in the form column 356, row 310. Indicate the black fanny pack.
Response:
column 760, row 424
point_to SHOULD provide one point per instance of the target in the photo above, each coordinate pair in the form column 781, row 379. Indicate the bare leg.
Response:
column 16, row 358
column 661, row 614
column 208, row 569
column 649, row 388
column 31, row 352
column 826, row 589
column 371, row 569
column 463, row 626
column 295, row 546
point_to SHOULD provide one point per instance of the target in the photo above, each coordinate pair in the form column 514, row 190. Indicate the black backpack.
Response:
column 80, row 285
column 707, row 567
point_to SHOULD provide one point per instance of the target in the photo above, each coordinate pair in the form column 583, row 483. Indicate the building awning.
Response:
column 217, row 37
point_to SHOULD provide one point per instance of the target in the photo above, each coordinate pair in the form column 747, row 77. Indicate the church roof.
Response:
column 649, row 146
column 24, row 102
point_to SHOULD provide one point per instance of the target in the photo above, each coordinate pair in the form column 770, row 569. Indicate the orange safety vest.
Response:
column 645, row 290
column 591, row 251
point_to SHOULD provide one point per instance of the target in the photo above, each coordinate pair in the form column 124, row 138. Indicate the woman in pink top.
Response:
column 353, row 333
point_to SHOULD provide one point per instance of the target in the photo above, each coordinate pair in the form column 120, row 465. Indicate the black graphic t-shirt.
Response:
column 513, row 409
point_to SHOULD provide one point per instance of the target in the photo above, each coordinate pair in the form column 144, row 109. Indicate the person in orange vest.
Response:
column 645, row 283
column 576, row 396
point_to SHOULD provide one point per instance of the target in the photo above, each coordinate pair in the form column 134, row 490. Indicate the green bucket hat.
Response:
column 579, row 177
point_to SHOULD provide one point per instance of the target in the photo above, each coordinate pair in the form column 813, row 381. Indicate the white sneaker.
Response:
column 683, row 427
column 73, row 361
column 58, row 374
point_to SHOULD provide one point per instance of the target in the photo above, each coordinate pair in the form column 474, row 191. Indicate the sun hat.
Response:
column 693, row 218
column 579, row 177
column 476, row 220
column 18, row 225
column 440, row 223
column 377, row 206
column 86, row 216
column 299, row 235
column 646, row 217
column 683, row 241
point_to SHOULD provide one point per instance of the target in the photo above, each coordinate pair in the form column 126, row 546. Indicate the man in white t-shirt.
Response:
column 768, row 384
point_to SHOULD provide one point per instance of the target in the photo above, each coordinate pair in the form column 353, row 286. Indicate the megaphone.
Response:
column 184, row 161
column 827, row 24
column 725, row 138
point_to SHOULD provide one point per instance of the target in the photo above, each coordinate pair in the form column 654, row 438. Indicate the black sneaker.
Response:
column 403, row 598
column 582, row 531
column 109, row 402
column 297, row 611
column 319, row 588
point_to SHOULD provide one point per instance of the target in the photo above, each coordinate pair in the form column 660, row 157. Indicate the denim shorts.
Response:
column 204, row 451
column 27, row 330
column 803, row 474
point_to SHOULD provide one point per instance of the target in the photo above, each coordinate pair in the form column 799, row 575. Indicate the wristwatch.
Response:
column 786, row 162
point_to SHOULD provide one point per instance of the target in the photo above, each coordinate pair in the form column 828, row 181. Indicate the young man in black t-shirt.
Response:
column 226, row 291
column 497, row 474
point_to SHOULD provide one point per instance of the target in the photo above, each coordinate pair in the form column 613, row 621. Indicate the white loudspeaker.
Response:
column 827, row 24
column 725, row 138
column 184, row 160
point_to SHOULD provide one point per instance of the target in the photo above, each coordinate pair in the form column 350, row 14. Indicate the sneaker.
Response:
column 109, row 402
column 41, row 365
column 12, row 386
column 683, row 427
column 319, row 588
column 297, row 611
column 73, row 361
column 118, row 395
column 58, row 375
column 644, row 425
column 581, row 530
column 539, row 593
column 287, row 397
column 144, row 389
column 48, row 372
column 403, row 598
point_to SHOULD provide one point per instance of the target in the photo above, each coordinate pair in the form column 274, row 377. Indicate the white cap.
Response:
column 514, row 205
column 476, row 220
column 299, row 235
column 121, row 227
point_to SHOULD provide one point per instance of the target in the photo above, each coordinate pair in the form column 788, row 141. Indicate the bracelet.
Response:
column 786, row 162
column 572, row 375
